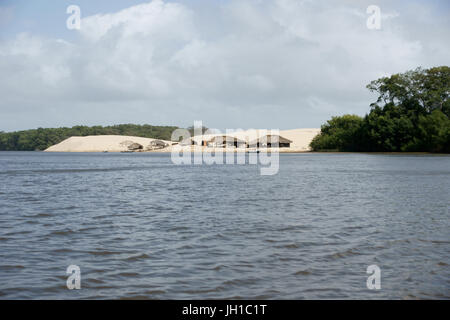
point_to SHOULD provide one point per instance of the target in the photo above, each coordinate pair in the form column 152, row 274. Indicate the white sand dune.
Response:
column 109, row 143
column 112, row 143
column 301, row 138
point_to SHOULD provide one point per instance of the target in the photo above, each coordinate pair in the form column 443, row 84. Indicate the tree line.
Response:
column 41, row 139
column 410, row 114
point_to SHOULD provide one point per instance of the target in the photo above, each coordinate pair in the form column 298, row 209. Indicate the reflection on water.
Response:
column 140, row 227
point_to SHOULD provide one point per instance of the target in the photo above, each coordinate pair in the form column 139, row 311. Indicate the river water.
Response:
column 139, row 226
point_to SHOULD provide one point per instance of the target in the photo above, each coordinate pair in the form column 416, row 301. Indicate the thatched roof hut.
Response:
column 254, row 138
column 157, row 144
column 135, row 146
column 187, row 142
column 271, row 140
column 226, row 140
column 126, row 143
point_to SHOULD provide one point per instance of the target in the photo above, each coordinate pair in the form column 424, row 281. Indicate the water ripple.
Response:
column 140, row 227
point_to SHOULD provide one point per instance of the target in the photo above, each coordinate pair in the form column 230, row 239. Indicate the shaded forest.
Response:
column 41, row 139
column 410, row 114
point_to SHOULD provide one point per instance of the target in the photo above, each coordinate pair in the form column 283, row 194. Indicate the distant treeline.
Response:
column 411, row 114
column 41, row 139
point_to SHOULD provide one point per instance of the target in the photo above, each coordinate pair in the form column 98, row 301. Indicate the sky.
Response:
column 236, row 64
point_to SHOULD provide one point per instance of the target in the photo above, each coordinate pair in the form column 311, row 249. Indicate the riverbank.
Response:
column 301, row 138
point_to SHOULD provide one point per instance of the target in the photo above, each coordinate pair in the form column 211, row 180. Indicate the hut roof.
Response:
column 270, row 138
column 186, row 142
column 135, row 146
column 126, row 143
column 225, row 138
column 240, row 136
column 158, row 143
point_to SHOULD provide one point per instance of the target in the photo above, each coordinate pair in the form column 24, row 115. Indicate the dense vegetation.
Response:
column 41, row 139
column 411, row 114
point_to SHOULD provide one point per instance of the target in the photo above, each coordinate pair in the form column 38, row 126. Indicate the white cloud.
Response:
column 155, row 19
column 277, row 64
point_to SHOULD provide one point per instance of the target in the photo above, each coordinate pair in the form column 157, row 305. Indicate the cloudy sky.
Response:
column 232, row 64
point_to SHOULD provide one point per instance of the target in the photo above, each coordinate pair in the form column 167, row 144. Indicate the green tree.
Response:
column 433, row 133
column 387, row 129
column 339, row 133
column 420, row 90
column 411, row 113
column 41, row 139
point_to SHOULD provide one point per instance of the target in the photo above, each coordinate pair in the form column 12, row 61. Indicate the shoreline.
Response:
column 295, row 140
column 283, row 152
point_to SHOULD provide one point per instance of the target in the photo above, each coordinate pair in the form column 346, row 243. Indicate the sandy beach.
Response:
column 109, row 143
column 115, row 143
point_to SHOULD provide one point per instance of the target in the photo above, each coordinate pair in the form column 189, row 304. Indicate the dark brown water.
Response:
column 140, row 227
